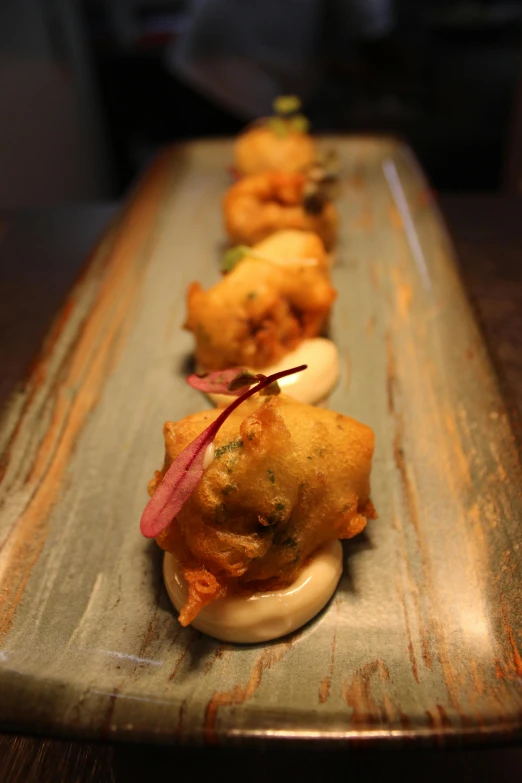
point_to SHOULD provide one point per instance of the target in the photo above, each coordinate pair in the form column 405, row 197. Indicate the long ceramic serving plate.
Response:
column 422, row 639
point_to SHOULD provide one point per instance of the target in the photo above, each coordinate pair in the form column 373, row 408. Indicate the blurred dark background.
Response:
column 88, row 91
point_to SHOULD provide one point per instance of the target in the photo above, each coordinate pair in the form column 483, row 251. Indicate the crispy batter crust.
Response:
column 259, row 149
column 261, row 310
column 286, row 478
column 257, row 206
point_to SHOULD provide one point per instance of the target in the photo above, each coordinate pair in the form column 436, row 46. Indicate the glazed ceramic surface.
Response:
column 422, row 639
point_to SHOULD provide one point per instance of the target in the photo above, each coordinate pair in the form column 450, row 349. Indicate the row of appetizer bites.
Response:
column 251, row 499
column 276, row 294
column 258, row 205
column 283, row 184
column 269, row 311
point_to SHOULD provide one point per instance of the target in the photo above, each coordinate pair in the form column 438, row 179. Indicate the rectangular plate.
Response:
column 420, row 641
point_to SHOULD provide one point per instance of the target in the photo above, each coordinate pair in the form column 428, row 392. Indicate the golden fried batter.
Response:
column 260, row 149
column 257, row 206
column 286, row 478
column 262, row 309
column 289, row 245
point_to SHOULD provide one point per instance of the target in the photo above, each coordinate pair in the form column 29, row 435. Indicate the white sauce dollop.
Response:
column 312, row 385
column 208, row 457
column 264, row 616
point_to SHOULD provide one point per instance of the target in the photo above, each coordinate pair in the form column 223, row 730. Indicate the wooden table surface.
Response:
column 41, row 253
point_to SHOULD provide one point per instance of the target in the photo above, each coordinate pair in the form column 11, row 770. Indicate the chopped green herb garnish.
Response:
column 287, row 119
column 271, row 475
column 229, row 488
column 234, row 444
column 278, row 126
column 233, row 257
column 287, row 104
column 300, row 124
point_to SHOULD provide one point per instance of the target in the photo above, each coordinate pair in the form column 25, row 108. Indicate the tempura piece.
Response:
column 286, row 478
column 265, row 307
column 279, row 143
column 260, row 149
column 289, row 245
column 257, row 206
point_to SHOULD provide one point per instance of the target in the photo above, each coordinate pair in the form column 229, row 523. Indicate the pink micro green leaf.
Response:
column 220, row 382
column 183, row 476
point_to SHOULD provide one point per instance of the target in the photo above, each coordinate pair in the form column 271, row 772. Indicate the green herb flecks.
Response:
column 271, row 476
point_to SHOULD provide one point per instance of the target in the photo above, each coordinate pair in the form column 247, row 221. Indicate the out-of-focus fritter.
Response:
column 264, row 307
column 286, row 478
column 261, row 149
column 290, row 245
column 257, row 206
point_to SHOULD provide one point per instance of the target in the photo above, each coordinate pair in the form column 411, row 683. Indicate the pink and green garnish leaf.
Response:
column 232, row 381
column 242, row 379
column 183, row 476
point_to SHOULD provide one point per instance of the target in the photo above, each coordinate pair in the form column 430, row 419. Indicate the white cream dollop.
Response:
column 208, row 457
column 264, row 616
column 312, row 385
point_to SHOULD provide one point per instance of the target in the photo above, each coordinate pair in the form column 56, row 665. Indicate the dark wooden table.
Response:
column 41, row 253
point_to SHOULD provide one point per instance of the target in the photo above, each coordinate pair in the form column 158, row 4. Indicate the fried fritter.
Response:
column 262, row 309
column 257, row 206
column 260, row 149
column 286, row 478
